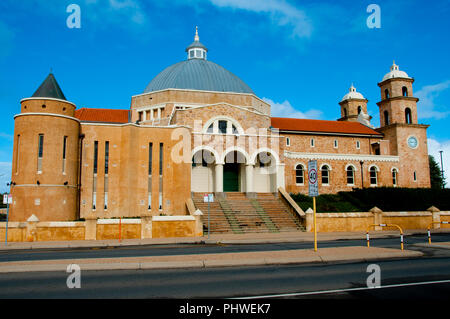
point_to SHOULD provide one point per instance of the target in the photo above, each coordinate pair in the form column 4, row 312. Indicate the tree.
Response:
column 436, row 177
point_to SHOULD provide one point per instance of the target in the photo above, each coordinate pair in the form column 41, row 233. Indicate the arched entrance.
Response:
column 234, row 172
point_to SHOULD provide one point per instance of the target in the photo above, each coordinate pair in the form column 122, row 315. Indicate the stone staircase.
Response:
column 236, row 213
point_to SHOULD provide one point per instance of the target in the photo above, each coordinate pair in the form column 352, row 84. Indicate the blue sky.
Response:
column 302, row 56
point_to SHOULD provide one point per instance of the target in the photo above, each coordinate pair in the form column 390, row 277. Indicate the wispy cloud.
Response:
column 280, row 12
column 115, row 11
column 285, row 109
column 427, row 104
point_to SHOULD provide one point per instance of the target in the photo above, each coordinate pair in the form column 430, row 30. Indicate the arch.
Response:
column 408, row 116
column 404, row 91
column 267, row 150
column 345, row 112
column 351, row 165
column 211, row 121
column 235, row 149
column 373, row 165
column 205, row 148
column 359, row 109
column 386, row 94
column 326, row 164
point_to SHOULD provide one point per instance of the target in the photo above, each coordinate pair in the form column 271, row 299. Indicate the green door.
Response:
column 231, row 178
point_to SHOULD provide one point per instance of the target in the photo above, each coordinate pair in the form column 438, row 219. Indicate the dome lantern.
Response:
column 196, row 50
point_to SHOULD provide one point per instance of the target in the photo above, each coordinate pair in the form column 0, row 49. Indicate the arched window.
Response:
column 299, row 174
column 345, row 112
column 408, row 118
column 350, row 175
column 404, row 91
column 394, row 177
column 386, row 118
column 373, row 176
column 359, row 109
column 325, row 170
column 386, row 93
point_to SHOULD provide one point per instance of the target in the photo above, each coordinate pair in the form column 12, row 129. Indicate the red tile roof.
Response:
column 320, row 126
column 102, row 115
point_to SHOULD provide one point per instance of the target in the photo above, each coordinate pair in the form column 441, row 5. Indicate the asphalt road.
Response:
column 185, row 249
column 300, row 281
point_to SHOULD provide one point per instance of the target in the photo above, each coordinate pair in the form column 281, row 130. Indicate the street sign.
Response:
column 208, row 198
column 313, row 179
column 7, row 199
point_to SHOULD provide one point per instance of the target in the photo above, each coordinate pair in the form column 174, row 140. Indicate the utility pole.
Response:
column 442, row 170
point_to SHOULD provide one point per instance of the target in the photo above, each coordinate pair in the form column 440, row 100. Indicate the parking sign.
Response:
column 313, row 179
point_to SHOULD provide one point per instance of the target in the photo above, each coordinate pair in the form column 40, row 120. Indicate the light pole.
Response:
column 442, row 170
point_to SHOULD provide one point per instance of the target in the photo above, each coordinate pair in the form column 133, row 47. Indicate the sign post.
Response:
column 209, row 198
column 313, row 192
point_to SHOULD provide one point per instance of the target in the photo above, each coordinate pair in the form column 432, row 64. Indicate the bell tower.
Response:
column 352, row 105
column 399, row 125
column 397, row 105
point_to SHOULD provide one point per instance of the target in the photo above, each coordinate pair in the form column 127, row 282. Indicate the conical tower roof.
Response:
column 50, row 88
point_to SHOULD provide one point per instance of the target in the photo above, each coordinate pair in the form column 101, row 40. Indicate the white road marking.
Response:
column 343, row 290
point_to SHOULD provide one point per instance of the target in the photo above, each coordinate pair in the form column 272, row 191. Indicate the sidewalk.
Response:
column 323, row 255
column 257, row 238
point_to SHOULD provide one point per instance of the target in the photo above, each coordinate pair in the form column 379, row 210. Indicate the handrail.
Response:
column 429, row 229
column 291, row 202
column 385, row 225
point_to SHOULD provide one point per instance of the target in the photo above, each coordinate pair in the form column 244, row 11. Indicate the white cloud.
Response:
column 427, row 95
column 285, row 109
column 434, row 147
column 281, row 13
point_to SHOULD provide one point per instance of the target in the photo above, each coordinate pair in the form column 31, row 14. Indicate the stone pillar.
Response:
column 377, row 217
column 249, row 178
column 31, row 228
column 90, row 229
column 218, row 178
column 309, row 219
column 146, row 227
column 436, row 213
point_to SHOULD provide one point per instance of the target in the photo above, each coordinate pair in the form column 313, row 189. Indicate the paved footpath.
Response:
column 323, row 255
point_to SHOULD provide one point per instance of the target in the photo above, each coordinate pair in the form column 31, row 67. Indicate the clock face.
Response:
column 412, row 142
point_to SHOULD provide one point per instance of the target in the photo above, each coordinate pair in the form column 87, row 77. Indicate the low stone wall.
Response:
column 348, row 222
column 100, row 229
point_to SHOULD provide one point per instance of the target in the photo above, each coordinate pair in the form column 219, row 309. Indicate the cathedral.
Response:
column 198, row 128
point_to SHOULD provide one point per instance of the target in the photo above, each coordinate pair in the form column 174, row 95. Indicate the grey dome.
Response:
column 198, row 74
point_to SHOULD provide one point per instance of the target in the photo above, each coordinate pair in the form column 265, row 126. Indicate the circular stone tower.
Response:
column 46, row 157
